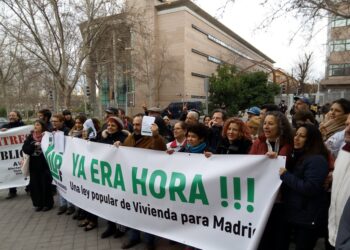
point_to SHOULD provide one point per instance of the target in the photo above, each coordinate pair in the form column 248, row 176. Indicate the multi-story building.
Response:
column 161, row 52
column 337, row 76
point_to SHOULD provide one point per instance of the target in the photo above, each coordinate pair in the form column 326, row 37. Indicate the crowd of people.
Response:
column 314, row 190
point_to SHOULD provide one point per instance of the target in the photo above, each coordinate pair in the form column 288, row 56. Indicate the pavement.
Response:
column 23, row 228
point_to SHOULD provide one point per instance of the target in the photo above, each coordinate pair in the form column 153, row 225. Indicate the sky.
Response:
column 244, row 18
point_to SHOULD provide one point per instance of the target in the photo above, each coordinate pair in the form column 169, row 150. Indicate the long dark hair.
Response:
column 314, row 144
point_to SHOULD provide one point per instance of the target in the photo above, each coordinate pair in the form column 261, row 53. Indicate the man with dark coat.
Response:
column 155, row 142
column 15, row 120
column 215, row 129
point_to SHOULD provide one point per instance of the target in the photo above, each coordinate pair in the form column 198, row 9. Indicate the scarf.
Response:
column 76, row 133
column 276, row 148
column 175, row 143
column 196, row 149
column 37, row 136
column 331, row 126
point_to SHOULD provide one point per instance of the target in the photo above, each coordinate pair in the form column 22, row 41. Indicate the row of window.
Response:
column 340, row 21
column 340, row 45
column 339, row 69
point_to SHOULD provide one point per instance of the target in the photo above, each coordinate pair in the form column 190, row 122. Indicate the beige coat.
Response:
column 340, row 193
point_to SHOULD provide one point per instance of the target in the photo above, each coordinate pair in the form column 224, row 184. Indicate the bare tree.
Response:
column 302, row 71
column 8, row 51
column 49, row 30
column 308, row 12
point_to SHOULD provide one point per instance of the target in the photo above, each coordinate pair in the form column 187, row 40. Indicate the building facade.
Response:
column 161, row 52
column 337, row 75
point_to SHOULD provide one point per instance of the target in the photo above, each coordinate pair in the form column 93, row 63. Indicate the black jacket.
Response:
column 13, row 124
column 240, row 146
column 303, row 192
column 112, row 138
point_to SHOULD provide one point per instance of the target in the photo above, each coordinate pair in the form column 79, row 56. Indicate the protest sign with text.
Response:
column 219, row 202
column 11, row 142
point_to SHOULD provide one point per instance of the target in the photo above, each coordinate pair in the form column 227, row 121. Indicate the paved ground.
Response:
column 23, row 228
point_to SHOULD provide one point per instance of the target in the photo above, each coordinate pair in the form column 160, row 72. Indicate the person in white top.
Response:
column 340, row 187
column 180, row 137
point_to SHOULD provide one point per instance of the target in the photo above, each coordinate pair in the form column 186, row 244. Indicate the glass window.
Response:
column 340, row 45
column 336, row 70
column 347, row 44
column 347, row 69
column 339, row 22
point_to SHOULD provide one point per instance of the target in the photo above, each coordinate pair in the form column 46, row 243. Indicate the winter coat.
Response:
column 149, row 142
column 239, row 146
column 340, row 193
column 13, row 125
column 108, row 138
column 259, row 147
column 303, row 191
column 343, row 237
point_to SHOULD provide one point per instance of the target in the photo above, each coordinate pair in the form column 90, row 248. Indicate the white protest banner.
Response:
column 11, row 142
column 221, row 202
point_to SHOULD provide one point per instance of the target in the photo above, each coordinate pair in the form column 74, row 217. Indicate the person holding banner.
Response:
column 180, row 130
column 155, row 142
column 196, row 139
column 236, row 138
column 113, row 135
column 58, row 125
column 89, row 132
column 39, row 171
column 15, row 121
column 303, row 192
column 275, row 140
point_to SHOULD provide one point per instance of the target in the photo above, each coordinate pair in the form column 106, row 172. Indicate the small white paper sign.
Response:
column 58, row 140
column 147, row 122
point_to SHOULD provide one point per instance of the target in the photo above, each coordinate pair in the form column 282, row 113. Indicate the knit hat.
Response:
column 254, row 111
column 116, row 120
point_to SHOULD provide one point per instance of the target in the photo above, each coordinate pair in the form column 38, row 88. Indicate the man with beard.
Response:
column 155, row 142
column 15, row 120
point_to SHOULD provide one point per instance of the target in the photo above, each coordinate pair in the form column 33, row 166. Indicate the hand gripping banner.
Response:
column 221, row 202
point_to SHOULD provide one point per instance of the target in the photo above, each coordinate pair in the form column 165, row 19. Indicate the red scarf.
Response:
column 173, row 144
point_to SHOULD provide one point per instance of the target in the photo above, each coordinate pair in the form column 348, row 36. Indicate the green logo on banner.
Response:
column 55, row 161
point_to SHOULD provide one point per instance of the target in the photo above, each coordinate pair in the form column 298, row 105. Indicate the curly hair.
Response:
column 199, row 129
column 244, row 131
column 285, row 131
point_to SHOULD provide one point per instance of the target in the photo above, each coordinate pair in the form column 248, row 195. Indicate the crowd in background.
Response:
column 314, row 189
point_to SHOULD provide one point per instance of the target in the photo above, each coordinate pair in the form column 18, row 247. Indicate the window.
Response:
column 339, row 45
column 339, row 69
column 340, row 21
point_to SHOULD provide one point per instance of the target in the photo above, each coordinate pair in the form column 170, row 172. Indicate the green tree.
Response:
column 238, row 91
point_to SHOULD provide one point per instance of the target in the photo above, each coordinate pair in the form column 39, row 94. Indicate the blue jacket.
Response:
column 303, row 192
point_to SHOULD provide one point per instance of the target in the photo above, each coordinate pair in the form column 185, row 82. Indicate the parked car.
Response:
column 3, row 121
